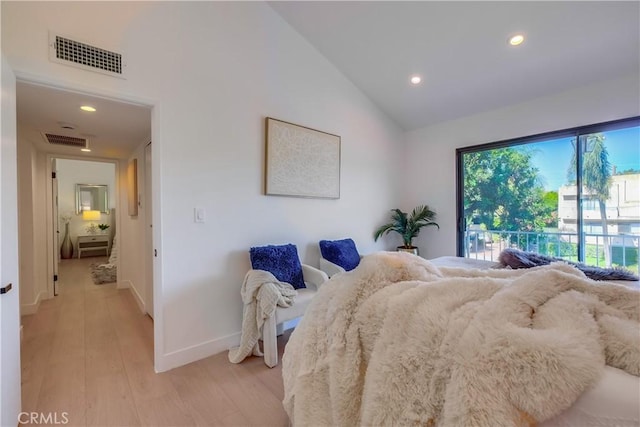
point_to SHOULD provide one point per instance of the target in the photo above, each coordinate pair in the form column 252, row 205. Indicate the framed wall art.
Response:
column 132, row 187
column 301, row 162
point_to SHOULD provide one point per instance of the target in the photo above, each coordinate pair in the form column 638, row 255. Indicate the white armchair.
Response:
column 313, row 279
column 330, row 268
column 270, row 300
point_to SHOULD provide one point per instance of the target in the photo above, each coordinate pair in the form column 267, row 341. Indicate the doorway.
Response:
column 114, row 133
column 85, row 202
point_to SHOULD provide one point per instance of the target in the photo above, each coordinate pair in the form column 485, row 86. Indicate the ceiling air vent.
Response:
column 72, row 52
column 68, row 141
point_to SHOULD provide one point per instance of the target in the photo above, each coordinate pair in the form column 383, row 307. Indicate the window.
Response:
column 572, row 194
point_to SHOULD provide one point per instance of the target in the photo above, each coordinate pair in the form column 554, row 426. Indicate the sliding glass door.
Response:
column 610, row 197
column 573, row 194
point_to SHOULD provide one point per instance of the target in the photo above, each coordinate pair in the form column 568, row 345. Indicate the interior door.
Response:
column 149, row 229
column 9, row 298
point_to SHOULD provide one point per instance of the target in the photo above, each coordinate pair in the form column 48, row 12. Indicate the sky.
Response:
column 552, row 157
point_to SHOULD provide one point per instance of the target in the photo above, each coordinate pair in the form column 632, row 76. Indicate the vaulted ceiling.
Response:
column 459, row 49
column 461, row 52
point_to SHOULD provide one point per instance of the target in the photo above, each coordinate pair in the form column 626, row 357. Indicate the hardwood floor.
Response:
column 88, row 353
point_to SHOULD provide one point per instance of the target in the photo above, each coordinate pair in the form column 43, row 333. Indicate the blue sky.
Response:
column 552, row 157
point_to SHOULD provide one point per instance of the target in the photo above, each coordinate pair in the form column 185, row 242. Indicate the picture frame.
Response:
column 132, row 187
column 301, row 161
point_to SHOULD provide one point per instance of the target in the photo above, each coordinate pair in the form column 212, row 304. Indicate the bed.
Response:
column 452, row 342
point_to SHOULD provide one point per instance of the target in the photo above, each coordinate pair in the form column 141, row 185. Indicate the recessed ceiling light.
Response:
column 516, row 39
column 416, row 79
column 88, row 108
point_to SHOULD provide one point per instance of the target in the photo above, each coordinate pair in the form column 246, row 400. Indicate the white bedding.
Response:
column 459, row 262
column 614, row 400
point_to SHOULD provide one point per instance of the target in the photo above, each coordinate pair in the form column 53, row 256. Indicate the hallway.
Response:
column 89, row 353
column 74, row 349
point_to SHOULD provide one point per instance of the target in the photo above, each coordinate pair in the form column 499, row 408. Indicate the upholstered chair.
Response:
column 283, row 262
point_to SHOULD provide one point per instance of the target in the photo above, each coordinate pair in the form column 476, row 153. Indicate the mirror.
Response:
column 91, row 197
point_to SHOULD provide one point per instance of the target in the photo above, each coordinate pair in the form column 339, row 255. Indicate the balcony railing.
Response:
column 487, row 245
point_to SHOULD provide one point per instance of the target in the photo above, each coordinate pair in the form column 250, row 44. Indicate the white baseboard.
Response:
column 123, row 284
column 199, row 351
column 33, row 307
column 135, row 294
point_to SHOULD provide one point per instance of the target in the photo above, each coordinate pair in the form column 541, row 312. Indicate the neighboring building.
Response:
column 622, row 207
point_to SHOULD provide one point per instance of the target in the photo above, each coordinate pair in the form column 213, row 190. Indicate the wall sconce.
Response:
column 91, row 216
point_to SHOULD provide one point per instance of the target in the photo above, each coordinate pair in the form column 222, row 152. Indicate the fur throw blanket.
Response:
column 515, row 258
column 398, row 341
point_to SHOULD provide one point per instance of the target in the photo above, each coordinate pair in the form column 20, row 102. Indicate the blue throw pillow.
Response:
column 282, row 261
column 340, row 252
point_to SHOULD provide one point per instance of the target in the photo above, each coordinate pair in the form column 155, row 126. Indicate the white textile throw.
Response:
column 261, row 293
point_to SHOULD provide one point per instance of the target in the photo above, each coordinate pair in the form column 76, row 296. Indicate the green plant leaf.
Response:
column 408, row 226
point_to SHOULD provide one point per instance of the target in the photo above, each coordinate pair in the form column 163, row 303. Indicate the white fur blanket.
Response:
column 398, row 341
column 261, row 293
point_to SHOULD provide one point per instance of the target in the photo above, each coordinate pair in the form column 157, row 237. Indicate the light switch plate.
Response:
column 199, row 215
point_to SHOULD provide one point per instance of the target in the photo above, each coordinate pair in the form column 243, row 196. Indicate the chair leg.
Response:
column 269, row 342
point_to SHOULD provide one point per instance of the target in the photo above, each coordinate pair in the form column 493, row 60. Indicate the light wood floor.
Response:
column 88, row 352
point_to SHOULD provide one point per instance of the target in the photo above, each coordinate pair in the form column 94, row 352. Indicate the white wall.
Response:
column 430, row 155
column 28, row 298
column 10, row 302
column 71, row 172
column 214, row 71
column 131, row 266
column 32, row 226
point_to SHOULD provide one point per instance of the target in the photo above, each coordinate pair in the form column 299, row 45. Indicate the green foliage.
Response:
column 103, row 226
column 502, row 191
column 628, row 172
column 630, row 256
column 550, row 209
column 596, row 178
column 408, row 226
column 596, row 169
column 557, row 248
column 594, row 254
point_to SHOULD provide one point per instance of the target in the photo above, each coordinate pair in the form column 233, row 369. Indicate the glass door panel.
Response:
column 521, row 196
column 610, row 200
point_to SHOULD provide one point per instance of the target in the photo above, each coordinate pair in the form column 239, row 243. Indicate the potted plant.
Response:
column 103, row 227
column 408, row 226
